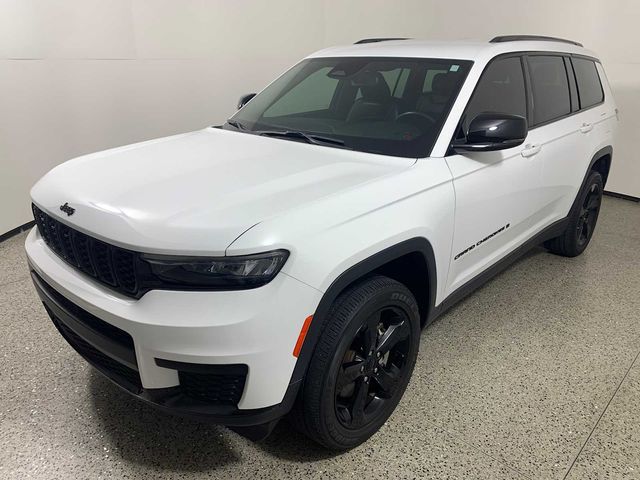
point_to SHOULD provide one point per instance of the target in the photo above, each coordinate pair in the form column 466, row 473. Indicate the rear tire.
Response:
column 582, row 220
column 361, row 365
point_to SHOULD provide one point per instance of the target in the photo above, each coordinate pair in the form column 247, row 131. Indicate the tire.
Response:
column 364, row 358
column 582, row 220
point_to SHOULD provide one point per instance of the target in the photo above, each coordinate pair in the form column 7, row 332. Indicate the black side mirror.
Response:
column 493, row 131
column 244, row 99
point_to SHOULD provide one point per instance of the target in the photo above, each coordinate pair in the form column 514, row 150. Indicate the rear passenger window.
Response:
column 589, row 86
column 550, row 88
column 500, row 89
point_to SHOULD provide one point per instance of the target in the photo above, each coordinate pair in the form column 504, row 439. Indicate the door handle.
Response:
column 530, row 150
column 586, row 127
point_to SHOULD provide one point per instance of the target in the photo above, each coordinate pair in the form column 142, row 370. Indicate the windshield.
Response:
column 391, row 106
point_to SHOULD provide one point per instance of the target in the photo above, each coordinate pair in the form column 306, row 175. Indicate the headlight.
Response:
column 247, row 271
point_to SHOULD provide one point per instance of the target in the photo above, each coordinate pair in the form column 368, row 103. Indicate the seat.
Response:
column 433, row 103
column 376, row 102
column 548, row 85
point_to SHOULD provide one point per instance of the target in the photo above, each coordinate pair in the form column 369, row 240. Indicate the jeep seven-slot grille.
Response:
column 110, row 265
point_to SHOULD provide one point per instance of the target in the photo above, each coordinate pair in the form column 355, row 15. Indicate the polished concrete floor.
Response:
column 536, row 375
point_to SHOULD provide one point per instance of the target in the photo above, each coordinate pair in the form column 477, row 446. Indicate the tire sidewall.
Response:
column 572, row 240
column 397, row 296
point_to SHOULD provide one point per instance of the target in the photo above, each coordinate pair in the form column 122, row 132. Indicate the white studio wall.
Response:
column 78, row 76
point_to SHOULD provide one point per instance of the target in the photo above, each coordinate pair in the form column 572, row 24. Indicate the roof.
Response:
column 451, row 49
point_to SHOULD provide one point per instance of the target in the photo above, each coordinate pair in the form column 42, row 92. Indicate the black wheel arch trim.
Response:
column 603, row 152
column 360, row 270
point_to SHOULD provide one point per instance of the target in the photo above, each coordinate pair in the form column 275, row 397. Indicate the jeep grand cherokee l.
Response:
column 285, row 262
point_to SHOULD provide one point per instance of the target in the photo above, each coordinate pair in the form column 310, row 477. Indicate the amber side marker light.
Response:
column 303, row 334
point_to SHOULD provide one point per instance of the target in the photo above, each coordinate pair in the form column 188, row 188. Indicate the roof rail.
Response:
column 376, row 40
column 515, row 38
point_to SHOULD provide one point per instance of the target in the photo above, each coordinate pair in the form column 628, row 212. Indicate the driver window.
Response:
column 500, row 89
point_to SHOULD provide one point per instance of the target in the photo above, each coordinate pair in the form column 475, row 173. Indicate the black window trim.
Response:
column 533, row 125
column 527, row 83
column 595, row 61
column 573, row 84
column 570, row 56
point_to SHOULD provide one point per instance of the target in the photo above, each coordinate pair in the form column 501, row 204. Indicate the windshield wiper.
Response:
column 313, row 139
column 236, row 124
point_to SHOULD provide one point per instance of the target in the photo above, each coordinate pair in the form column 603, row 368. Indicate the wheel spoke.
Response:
column 348, row 374
column 394, row 335
column 370, row 333
column 587, row 230
column 344, row 413
column 372, row 366
column 359, row 403
column 593, row 202
column 387, row 378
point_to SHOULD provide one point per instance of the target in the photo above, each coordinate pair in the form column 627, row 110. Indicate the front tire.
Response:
column 582, row 220
column 361, row 365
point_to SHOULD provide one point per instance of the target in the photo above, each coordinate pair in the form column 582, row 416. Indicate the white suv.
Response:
column 286, row 261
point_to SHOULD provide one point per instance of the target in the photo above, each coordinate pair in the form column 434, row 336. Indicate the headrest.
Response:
column 443, row 83
column 546, row 74
column 372, row 85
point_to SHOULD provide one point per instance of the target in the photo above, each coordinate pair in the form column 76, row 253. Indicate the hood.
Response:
column 196, row 193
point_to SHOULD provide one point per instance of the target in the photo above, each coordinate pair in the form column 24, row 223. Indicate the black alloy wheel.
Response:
column 589, row 214
column 361, row 364
column 372, row 367
column 581, row 220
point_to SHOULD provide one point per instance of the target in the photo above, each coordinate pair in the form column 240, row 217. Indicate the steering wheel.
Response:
column 407, row 115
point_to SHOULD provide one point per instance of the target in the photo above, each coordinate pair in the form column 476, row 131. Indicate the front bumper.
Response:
column 243, row 339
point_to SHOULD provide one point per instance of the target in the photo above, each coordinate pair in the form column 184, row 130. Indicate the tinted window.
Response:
column 398, row 90
column 367, row 104
column 311, row 94
column 573, row 89
column 500, row 89
column 589, row 87
column 550, row 88
column 428, row 79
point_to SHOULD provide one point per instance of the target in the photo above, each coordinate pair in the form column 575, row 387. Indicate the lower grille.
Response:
column 115, row 356
column 214, row 388
column 91, row 321
column 123, row 375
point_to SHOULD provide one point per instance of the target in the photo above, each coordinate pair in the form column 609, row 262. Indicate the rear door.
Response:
column 498, row 199
column 560, row 129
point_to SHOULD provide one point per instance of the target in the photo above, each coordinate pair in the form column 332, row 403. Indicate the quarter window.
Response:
column 550, row 88
column 500, row 90
column 589, row 86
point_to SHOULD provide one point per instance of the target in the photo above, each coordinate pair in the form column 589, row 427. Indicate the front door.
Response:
column 498, row 199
